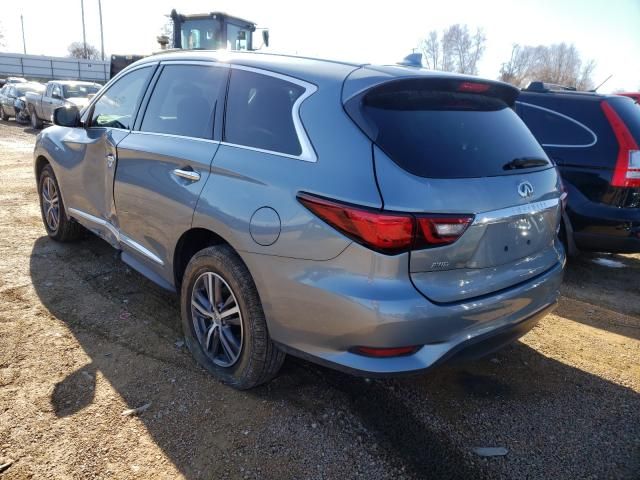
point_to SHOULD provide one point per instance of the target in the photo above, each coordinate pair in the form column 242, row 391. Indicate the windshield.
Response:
column 79, row 91
column 200, row 34
column 24, row 88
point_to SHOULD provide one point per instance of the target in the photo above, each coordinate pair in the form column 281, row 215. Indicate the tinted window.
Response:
column 447, row 134
column 184, row 99
column 259, row 112
column 551, row 128
column 117, row 106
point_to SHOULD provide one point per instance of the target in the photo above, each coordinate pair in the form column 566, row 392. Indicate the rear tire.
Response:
column 217, row 281
column 3, row 114
column 54, row 216
column 36, row 123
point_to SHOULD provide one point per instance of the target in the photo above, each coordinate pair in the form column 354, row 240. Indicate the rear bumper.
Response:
column 322, row 310
column 604, row 228
column 467, row 350
column 608, row 242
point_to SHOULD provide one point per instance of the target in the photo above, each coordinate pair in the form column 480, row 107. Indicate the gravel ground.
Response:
column 84, row 338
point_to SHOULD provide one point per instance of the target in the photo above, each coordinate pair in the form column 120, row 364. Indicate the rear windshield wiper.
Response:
column 525, row 162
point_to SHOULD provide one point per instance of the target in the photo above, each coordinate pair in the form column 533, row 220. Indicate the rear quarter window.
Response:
column 552, row 128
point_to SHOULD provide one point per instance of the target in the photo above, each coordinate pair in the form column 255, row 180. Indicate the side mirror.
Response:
column 66, row 116
column 90, row 96
column 265, row 37
column 57, row 96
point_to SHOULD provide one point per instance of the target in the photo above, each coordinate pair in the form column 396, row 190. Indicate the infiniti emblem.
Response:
column 525, row 189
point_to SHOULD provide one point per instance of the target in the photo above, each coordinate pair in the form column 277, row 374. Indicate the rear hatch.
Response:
column 453, row 151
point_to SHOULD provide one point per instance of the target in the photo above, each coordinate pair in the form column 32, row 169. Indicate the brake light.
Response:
column 387, row 232
column 627, row 169
column 473, row 87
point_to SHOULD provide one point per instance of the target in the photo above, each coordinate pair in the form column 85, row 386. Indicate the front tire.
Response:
column 58, row 226
column 3, row 114
column 223, row 321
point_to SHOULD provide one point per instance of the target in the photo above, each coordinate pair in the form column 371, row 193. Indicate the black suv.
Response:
column 594, row 140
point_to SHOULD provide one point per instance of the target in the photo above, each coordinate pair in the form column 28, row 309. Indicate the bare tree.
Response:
column 585, row 81
column 456, row 50
column 430, row 47
column 558, row 63
column 77, row 50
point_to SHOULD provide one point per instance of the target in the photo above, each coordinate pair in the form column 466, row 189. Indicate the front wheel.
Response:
column 54, row 217
column 36, row 123
column 3, row 114
column 223, row 321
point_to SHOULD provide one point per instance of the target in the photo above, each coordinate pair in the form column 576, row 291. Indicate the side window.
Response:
column 49, row 89
column 237, row 37
column 117, row 106
column 56, row 91
column 259, row 112
column 184, row 99
column 554, row 129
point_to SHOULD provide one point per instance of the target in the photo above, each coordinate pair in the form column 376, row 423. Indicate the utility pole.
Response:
column 84, row 35
column 24, row 44
column 101, row 31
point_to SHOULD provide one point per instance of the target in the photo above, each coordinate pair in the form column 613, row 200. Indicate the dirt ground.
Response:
column 83, row 338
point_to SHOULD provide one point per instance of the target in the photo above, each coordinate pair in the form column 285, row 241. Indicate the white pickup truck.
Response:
column 58, row 94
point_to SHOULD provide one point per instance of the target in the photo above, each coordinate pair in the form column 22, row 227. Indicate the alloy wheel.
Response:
column 51, row 203
column 217, row 319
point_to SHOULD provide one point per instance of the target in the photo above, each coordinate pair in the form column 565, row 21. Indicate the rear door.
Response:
column 164, row 164
column 447, row 147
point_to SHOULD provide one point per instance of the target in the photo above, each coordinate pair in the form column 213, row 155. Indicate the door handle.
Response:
column 111, row 158
column 190, row 175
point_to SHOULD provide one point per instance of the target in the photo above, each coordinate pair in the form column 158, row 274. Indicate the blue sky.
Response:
column 605, row 30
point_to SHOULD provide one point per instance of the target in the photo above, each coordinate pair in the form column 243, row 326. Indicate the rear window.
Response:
column 448, row 134
column 629, row 112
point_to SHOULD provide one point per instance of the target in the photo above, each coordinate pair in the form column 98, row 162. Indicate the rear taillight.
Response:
column 387, row 232
column 627, row 170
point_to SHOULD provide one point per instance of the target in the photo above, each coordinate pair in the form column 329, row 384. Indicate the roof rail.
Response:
column 538, row 86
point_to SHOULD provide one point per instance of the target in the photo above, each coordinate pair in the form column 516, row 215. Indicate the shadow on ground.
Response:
column 557, row 421
column 608, row 281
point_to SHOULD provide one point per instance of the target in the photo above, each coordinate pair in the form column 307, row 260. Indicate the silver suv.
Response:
column 375, row 219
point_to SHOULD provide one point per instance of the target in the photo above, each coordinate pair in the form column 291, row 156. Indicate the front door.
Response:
column 89, row 192
column 165, row 162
